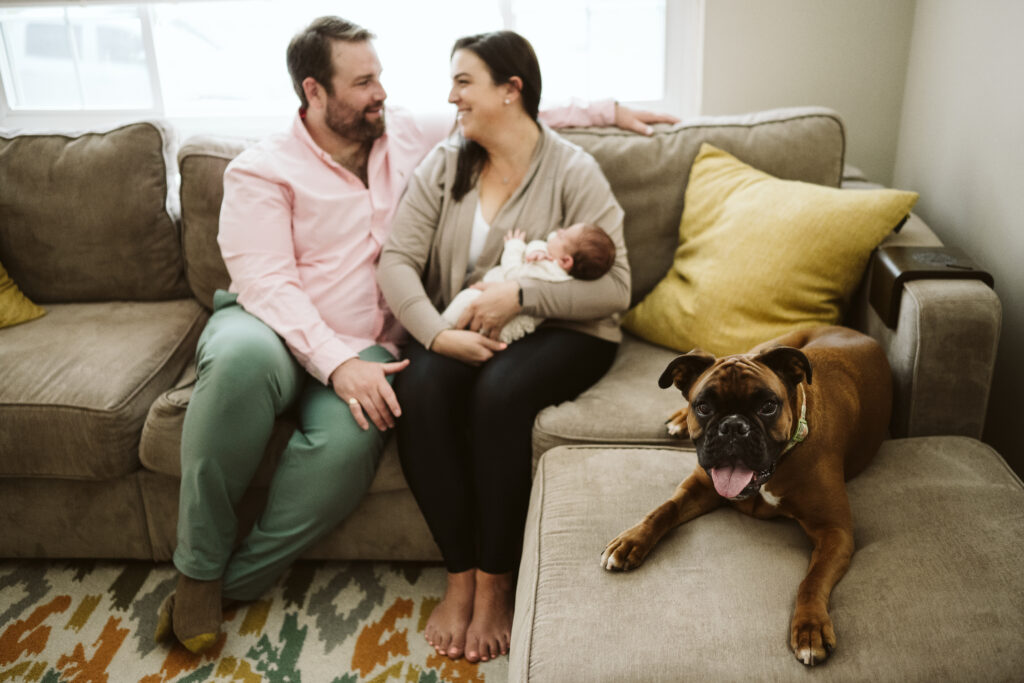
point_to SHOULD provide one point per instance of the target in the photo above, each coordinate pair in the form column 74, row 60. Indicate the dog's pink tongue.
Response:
column 730, row 481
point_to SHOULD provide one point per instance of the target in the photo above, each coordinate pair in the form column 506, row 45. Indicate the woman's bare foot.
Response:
column 446, row 627
column 491, row 628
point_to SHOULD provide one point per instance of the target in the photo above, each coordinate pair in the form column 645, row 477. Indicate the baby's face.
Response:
column 563, row 242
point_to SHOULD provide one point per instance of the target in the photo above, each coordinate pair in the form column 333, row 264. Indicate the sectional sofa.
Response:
column 114, row 234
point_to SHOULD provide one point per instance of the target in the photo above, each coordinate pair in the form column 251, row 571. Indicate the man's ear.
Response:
column 683, row 371
column 790, row 364
column 313, row 90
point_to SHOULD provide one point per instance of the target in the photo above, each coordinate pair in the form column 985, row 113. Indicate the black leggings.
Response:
column 464, row 438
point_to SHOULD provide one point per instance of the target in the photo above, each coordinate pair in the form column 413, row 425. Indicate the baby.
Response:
column 582, row 251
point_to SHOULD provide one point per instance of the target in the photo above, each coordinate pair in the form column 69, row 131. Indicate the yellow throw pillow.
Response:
column 759, row 256
column 15, row 307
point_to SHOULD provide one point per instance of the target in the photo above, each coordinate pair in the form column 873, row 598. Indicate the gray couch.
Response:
column 92, row 395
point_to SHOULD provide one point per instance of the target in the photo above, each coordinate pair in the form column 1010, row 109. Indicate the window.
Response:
column 218, row 66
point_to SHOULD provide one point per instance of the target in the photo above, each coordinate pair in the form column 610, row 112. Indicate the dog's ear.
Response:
column 788, row 363
column 683, row 371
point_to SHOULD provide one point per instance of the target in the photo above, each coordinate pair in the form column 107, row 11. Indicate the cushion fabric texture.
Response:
column 202, row 160
column 75, row 386
column 649, row 174
column 933, row 591
column 66, row 237
column 759, row 256
column 625, row 406
column 15, row 307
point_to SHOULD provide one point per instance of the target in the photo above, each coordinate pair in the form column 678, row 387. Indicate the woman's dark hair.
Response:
column 506, row 54
column 309, row 52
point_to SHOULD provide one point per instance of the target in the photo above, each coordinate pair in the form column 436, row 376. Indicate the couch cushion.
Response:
column 75, row 386
column 759, row 257
column 626, row 406
column 202, row 161
column 160, row 449
column 933, row 591
column 649, row 174
column 90, row 218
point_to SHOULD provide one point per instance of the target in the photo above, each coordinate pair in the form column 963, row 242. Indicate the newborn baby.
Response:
column 581, row 251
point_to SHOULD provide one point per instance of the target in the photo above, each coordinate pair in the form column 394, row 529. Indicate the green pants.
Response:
column 246, row 377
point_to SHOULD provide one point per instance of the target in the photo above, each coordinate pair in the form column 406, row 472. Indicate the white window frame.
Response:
column 684, row 32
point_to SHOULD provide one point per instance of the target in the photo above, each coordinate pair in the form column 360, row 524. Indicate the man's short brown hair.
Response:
column 593, row 255
column 309, row 52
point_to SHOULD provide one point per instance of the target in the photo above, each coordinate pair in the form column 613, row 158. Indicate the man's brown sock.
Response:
column 196, row 613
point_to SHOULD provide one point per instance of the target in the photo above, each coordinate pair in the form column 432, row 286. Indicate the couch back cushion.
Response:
column 648, row 176
column 90, row 217
column 202, row 160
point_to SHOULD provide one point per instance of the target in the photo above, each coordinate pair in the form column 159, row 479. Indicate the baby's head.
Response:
column 583, row 250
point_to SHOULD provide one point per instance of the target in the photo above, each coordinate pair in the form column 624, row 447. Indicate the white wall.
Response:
column 961, row 146
column 844, row 54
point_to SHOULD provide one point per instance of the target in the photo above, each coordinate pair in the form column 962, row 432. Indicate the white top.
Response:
column 476, row 242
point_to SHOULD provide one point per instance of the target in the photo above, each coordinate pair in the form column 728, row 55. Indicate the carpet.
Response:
column 335, row 622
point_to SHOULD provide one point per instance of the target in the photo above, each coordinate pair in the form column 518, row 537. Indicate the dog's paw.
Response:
column 812, row 638
column 626, row 551
column 676, row 423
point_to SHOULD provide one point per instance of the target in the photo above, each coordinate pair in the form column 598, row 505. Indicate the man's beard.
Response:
column 354, row 125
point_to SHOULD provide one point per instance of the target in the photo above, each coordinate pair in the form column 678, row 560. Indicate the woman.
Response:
column 469, row 401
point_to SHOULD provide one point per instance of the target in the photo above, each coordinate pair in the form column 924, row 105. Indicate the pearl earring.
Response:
column 508, row 101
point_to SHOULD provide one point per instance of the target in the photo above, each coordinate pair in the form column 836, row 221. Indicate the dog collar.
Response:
column 802, row 430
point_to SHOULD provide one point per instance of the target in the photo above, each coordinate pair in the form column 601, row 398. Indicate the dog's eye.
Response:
column 769, row 408
column 703, row 408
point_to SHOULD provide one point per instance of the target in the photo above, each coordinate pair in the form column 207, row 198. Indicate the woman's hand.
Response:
column 468, row 347
column 489, row 312
column 637, row 120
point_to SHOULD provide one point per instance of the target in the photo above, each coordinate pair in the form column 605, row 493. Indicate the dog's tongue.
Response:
column 730, row 481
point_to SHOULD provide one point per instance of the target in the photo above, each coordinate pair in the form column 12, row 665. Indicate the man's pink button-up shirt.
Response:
column 301, row 235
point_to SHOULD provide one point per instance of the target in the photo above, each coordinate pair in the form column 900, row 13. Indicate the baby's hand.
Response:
column 515, row 234
column 537, row 255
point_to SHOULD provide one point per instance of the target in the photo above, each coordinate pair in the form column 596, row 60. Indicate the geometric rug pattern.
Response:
column 329, row 622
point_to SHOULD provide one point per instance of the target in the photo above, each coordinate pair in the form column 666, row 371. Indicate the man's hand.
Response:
column 366, row 383
column 637, row 121
column 468, row 347
column 489, row 312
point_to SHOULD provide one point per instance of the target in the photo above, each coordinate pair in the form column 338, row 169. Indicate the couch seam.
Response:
column 610, row 440
column 536, row 575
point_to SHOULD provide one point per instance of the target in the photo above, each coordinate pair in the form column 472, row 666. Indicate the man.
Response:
column 303, row 327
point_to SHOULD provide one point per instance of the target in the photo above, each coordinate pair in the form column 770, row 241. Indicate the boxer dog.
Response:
column 772, row 442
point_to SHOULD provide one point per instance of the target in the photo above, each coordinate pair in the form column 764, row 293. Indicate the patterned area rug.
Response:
column 335, row 622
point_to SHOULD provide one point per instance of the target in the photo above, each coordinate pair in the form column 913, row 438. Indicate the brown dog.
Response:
column 756, row 450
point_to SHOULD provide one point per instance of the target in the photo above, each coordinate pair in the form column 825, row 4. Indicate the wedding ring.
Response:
column 353, row 401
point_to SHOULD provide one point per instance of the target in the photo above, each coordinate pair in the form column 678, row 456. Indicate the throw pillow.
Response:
column 759, row 256
column 15, row 307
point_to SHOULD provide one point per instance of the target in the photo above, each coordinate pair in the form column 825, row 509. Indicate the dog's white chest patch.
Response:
column 768, row 497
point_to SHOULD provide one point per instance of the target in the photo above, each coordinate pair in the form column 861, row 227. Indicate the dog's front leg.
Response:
column 812, row 635
column 695, row 496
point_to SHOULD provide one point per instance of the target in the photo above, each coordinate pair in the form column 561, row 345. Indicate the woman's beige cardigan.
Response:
column 423, row 264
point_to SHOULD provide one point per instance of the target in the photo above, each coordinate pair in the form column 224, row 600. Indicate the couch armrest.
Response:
column 942, row 351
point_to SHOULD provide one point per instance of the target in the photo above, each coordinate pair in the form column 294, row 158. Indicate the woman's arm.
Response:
column 404, row 257
column 587, row 197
